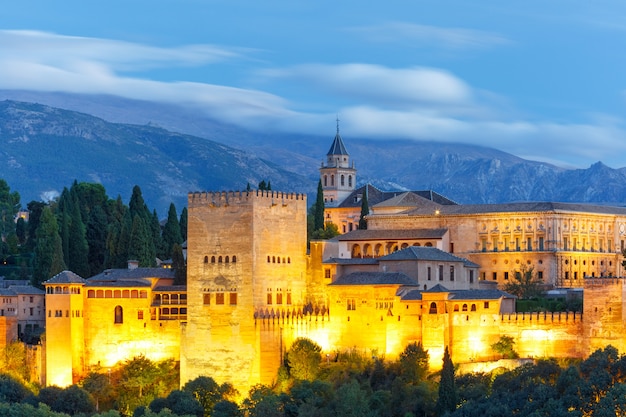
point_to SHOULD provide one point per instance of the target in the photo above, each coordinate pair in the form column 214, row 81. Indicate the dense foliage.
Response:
column 85, row 231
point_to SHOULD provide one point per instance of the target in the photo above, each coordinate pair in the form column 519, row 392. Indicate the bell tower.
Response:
column 338, row 176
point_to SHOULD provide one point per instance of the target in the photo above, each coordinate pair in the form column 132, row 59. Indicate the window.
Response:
column 32, row 311
column 326, row 273
column 464, row 308
column 288, row 298
column 565, row 244
column 332, row 182
column 119, row 315
column 279, row 298
column 233, row 298
column 139, row 314
column 440, row 272
column 451, row 273
column 471, row 276
column 325, row 181
column 343, row 181
column 269, row 298
column 486, row 305
column 349, row 180
column 483, row 244
column 351, row 304
column 529, row 244
column 428, row 273
column 207, row 299
column 495, row 244
column 206, row 259
column 495, row 276
column 456, row 307
column 566, row 274
column 473, row 307
column 540, row 274
column 541, row 243
column 219, row 298
column 433, row 308
column 506, row 276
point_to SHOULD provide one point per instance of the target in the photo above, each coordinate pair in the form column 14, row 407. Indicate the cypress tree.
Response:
column 141, row 247
column 78, row 248
column 178, row 264
column 447, row 400
column 48, row 260
column 365, row 210
column 96, row 235
column 183, row 223
column 171, row 230
column 318, row 220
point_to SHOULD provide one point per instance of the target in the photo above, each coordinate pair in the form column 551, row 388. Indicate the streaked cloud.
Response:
column 425, row 35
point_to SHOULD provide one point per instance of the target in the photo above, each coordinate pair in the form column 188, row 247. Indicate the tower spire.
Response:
column 337, row 124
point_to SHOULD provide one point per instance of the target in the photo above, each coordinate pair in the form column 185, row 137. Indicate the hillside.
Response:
column 206, row 160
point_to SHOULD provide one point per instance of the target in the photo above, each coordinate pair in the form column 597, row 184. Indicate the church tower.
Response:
column 337, row 176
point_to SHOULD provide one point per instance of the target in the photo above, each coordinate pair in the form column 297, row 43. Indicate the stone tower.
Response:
column 64, row 329
column 246, row 260
column 337, row 175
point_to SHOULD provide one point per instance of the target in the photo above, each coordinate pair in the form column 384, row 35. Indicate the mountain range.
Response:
column 51, row 139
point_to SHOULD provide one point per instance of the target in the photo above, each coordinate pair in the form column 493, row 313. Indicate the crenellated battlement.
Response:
column 225, row 198
column 603, row 282
column 542, row 318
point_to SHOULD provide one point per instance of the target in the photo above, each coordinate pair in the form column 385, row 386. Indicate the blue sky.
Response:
column 544, row 80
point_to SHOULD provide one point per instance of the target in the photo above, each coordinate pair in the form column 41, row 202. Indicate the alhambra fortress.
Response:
column 426, row 269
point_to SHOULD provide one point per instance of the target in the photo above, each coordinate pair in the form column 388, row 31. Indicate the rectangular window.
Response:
column 506, row 276
column 540, row 243
column 451, row 273
column 565, row 244
column 327, row 273
column 269, row 298
column 219, row 298
column 233, row 299
column 207, row 299
column 429, row 274
column 288, row 298
column 351, row 304
column 440, row 272
column 495, row 244
column 495, row 276
column 32, row 311
column 486, row 305
column 529, row 244
column 540, row 274
column 279, row 298
column 566, row 274
column 471, row 276
column 609, row 246
column 575, row 274
column 139, row 314
column 506, row 244
column 484, row 245
column 517, row 247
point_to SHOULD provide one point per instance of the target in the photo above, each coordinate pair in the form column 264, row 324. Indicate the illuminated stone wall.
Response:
column 263, row 234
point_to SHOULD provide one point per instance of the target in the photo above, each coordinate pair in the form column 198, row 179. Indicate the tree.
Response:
column 413, row 363
column 226, row 408
column 171, row 230
column 304, row 359
column 365, row 210
column 96, row 235
column 12, row 390
column 525, row 283
column 504, row 347
column 180, row 403
column 262, row 185
column 178, row 265
column 98, row 385
column 447, row 400
column 208, row 392
column 318, row 208
column 9, row 206
column 183, row 223
column 48, row 260
column 73, row 400
column 141, row 245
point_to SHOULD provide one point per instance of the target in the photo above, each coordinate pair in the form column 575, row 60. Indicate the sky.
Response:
column 543, row 80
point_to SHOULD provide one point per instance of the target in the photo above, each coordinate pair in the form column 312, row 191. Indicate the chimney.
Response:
column 133, row 264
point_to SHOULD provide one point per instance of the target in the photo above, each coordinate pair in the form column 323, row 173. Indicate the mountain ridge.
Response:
column 464, row 173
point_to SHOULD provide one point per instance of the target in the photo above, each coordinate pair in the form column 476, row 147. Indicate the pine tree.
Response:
column 48, row 260
column 447, row 400
column 365, row 210
column 318, row 211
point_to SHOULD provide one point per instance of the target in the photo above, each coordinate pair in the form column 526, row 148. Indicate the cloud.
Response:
column 424, row 35
column 378, row 84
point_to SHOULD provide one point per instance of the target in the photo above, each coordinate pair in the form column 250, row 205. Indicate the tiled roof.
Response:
column 456, row 295
column 65, row 277
column 120, row 283
column 367, row 234
column 26, row 289
column 374, row 278
column 422, row 253
column 521, row 207
column 352, row 261
column 337, row 147
column 6, row 292
column 170, row 288
column 123, row 273
column 376, row 196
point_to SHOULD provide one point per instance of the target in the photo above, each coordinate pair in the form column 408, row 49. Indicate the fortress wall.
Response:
column 604, row 314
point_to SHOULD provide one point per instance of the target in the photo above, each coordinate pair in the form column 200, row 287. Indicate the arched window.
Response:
column 464, row 307
column 226, row 259
column 456, row 307
column 119, row 315
column 212, row 259
column 343, row 180
column 325, row 181
column 433, row 308
column 268, row 259
column 473, row 307
column 206, row 259
column 234, row 258
column 219, row 259
column 349, row 180
column 332, row 180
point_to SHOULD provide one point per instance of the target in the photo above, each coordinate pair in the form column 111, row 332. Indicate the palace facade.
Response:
column 426, row 269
